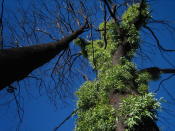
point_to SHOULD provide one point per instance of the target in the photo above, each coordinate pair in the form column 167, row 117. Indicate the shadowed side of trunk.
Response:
column 17, row 63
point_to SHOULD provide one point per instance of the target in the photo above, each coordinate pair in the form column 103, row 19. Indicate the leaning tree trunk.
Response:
column 17, row 63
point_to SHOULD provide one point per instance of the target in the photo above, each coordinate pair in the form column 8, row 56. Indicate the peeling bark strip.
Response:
column 17, row 63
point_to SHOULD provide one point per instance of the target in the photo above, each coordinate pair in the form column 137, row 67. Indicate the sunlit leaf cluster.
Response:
column 133, row 109
column 99, row 118
column 95, row 110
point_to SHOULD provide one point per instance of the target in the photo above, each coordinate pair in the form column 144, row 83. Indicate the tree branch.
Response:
column 110, row 11
column 17, row 63
column 105, row 22
column 157, row 40
column 67, row 118
column 153, row 70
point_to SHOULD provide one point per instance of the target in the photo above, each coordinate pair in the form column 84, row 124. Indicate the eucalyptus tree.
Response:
column 118, row 99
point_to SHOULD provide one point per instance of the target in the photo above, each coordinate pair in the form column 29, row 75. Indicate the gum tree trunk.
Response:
column 17, row 63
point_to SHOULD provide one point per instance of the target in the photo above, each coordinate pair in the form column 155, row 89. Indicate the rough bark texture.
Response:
column 115, row 99
column 17, row 63
column 146, row 125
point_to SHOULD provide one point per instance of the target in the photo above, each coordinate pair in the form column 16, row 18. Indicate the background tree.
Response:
column 37, row 23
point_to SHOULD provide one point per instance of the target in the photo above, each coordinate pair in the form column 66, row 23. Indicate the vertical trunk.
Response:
column 147, row 124
column 115, row 98
column 118, row 99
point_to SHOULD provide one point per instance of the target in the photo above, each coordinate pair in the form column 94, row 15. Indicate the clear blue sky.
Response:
column 41, row 115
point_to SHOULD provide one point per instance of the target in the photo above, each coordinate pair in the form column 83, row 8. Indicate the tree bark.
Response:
column 122, row 51
column 17, row 63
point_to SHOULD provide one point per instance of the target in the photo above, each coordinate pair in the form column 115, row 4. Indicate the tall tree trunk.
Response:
column 115, row 99
column 17, row 63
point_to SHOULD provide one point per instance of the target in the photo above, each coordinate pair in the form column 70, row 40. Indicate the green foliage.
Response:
column 82, row 44
column 130, row 22
column 111, row 31
column 98, row 56
column 88, row 95
column 91, row 94
column 95, row 110
column 78, row 41
column 117, row 77
column 131, row 15
column 142, row 82
column 134, row 109
column 100, row 118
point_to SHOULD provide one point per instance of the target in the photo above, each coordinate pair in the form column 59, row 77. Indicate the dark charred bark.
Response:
column 17, row 63
column 156, row 70
column 146, row 125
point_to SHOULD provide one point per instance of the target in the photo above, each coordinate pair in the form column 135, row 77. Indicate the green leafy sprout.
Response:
column 95, row 110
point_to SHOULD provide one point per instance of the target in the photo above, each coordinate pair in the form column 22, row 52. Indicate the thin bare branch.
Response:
column 67, row 118
column 110, row 10
column 157, row 40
